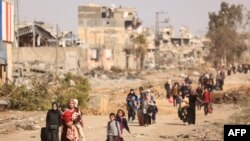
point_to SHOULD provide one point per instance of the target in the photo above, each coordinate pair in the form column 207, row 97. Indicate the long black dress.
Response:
column 191, row 110
column 53, row 119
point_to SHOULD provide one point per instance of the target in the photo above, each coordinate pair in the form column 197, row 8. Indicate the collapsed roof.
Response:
column 26, row 33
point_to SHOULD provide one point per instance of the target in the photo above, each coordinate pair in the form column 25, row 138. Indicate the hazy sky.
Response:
column 190, row 13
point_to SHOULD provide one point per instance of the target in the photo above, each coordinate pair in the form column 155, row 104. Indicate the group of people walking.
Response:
column 186, row 98
column 213, row 82
column 68, row 122
column 238, row 68
column 143, row 107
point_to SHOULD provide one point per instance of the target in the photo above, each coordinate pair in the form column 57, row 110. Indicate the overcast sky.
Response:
column 190, row 13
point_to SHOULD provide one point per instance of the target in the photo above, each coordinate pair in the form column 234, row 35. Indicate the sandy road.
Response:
column 168, row 124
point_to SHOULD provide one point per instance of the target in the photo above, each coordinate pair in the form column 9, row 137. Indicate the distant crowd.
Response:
column 184, row 96
column 238, row 68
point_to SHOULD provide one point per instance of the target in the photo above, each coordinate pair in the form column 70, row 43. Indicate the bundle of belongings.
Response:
column 183, row 108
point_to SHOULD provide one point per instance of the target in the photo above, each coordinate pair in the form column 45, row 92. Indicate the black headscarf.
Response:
column 55, row 103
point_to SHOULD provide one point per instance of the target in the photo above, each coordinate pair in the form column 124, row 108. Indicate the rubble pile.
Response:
column 20, row 121
column 213, row 132
column 208, row 133
column 242, row 117
column 233, row 96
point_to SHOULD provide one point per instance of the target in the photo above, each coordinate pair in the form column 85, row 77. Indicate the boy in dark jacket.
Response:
column 155, row 111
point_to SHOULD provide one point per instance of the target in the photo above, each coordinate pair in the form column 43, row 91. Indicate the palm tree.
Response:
column 140, row 50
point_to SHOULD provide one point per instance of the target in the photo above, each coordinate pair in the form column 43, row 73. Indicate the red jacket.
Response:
column 67, row 116
column 207, row 97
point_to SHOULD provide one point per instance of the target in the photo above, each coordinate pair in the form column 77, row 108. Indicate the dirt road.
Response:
column 168, row 124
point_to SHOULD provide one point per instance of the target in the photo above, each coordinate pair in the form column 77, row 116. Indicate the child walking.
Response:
column 120, row 117
column 113, row 129
column 155, row 111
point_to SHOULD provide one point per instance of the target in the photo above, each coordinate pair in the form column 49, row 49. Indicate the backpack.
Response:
column 150, row 109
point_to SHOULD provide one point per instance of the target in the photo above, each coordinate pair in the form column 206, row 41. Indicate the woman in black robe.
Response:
column 191, row 109
column 53, row 122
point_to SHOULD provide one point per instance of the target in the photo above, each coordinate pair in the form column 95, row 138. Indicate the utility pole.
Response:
column 57, row 44
column 157, row 30
column 156, row 25
column 17, row 24
column 86, row 51
column 34, row 35
column 16, row 37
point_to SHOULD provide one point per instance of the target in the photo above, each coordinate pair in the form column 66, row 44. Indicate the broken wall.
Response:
column 29, row 62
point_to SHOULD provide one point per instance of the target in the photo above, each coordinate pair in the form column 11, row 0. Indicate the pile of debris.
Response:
column 112, row 74
column 213, row 132
column 240, row 95
column 18, row 121
column 242, row 117
column 202, row 133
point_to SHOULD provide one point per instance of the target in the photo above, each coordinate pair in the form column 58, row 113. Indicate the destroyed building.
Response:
column 104, row 34
column 67, row 39
column 34, row 34
column 107, row 31
column 40, row 34
column 185, row 49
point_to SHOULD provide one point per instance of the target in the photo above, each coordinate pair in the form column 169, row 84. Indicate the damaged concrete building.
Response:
column 107, row 30
column 40, row 34
column 185, row 49
column 41, row 52
column 104, row 34
column 34, row 34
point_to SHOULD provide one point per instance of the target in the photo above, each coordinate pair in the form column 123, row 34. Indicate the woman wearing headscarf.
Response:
column 132, row 100
column 69, row 132
column 53, row 122
column 120, row 117
column 191, row 109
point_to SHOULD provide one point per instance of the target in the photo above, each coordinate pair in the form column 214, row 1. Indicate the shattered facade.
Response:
column 107, row 30
column 33, row 34
column 184, row 50
column 40, row 34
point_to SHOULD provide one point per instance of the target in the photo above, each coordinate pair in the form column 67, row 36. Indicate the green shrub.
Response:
column 80, row 91
column 40, row 95
column 36, row 98
column 6, row 89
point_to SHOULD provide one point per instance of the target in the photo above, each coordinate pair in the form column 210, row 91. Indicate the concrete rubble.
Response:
column 233, row 96
column 15, row 122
